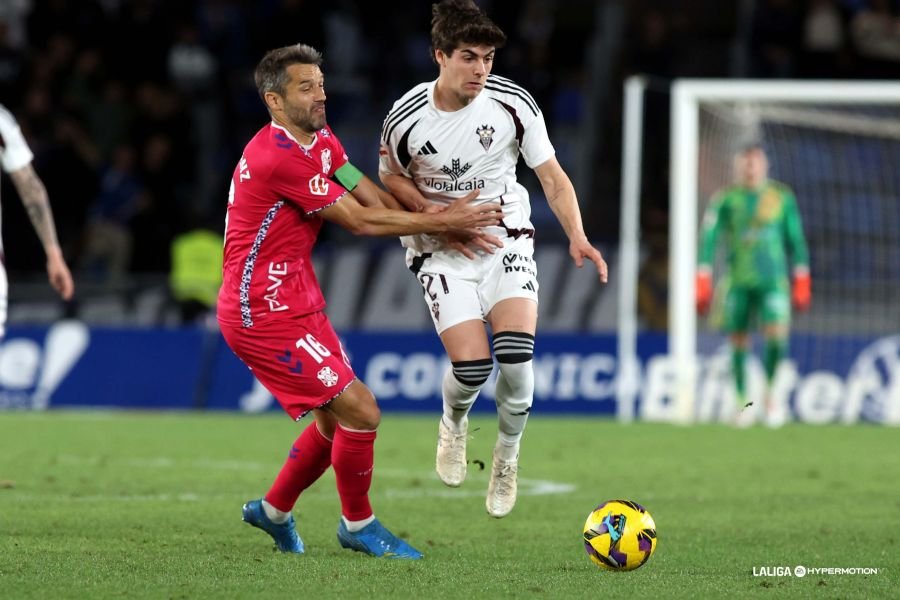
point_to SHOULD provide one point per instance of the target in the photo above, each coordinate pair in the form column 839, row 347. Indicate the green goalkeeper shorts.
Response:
column 746, row 306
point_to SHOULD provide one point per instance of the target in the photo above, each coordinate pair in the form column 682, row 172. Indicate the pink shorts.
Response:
column 301, row 361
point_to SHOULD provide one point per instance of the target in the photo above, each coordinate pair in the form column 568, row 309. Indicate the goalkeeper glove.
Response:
column 704, row 290
column 801, row 293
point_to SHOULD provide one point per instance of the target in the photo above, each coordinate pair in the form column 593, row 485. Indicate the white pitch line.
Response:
column 165, row 462
column 527, row 487
column 100, row 498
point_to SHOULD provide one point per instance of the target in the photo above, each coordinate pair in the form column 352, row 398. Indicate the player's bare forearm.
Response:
column 460, row 217
column 34, row 196
column 561, row 197
column 562, row 200
column 371, row 195
column 414, row 201
column 405, row 191
column 565, row 207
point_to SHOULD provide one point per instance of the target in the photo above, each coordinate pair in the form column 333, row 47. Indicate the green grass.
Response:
column 127, row 505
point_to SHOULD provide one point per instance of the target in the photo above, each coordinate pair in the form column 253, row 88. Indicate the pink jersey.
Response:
column 277, row 188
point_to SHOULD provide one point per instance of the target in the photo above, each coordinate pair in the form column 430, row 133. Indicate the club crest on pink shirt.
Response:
column 327, row 376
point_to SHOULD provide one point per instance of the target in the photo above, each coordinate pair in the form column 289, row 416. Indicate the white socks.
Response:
column 354, row 526
column 515, row 393
column 507, row 447
column 459, row 389
column 275, row 515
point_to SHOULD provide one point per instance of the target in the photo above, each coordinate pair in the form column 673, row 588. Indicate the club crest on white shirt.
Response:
column 326, row 160
column 485, row 136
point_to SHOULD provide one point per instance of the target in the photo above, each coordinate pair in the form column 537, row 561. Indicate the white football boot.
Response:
column 450, row 462
column 501, row 494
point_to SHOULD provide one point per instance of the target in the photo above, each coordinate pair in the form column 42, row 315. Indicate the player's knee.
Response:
column 361, row 412
column 369, row 413
column 513, row 347
column 367, row 418
column 370, row 420
column 472, row 373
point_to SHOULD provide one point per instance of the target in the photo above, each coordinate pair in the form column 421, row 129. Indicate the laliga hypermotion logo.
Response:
column 29, row 376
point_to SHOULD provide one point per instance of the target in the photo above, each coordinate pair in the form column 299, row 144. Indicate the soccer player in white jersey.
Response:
column 15, row 158
column 443, row 139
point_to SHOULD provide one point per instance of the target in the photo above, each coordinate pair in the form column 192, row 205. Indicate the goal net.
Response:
column 837, row 145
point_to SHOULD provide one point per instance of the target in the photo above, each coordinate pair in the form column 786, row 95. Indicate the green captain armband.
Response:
column 348, row 176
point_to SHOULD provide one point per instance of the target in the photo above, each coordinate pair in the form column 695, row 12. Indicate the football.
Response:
column 619, row 535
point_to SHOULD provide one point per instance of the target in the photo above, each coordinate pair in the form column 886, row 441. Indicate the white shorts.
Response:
column 458, row 289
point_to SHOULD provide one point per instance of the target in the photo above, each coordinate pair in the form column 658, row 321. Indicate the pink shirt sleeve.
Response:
column 297, row 180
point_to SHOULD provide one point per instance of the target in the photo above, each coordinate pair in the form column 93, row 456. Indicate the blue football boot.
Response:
column 284, row 534
column 375, row 540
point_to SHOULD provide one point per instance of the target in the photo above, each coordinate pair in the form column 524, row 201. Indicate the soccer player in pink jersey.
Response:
column 16, row 159
column 293, row 174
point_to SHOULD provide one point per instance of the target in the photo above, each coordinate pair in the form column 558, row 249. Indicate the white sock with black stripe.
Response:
column 514, row 352
column 460, row 388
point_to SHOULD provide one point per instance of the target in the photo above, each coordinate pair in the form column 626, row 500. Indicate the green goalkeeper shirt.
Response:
column 760, row 228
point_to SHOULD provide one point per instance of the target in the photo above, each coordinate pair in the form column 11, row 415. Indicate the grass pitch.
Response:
column 116, row 505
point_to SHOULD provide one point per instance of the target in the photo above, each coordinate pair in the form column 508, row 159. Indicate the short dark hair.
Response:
column 458, row 22
column 271, row 72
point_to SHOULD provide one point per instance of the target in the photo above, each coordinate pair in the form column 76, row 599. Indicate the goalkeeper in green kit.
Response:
column 759, row 221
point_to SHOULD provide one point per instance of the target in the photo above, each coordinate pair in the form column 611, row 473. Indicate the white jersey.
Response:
column 14, row 154
column 14, row 150
column 450, row 154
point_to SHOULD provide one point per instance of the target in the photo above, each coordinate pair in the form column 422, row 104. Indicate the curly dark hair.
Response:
column 271, row 72
column 455, row 23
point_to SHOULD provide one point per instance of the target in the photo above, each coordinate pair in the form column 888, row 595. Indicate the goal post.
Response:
column 628, row 379
column 809, row 125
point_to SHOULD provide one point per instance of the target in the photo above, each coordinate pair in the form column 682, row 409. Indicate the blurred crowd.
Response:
column 831, row 39
column 137, row 110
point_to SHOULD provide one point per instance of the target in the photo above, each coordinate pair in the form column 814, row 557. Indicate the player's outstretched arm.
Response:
column 34, row 196
column 409, row 195
column 405, row 191
column 459, row 218
column 561, row 196
column 371, row 195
